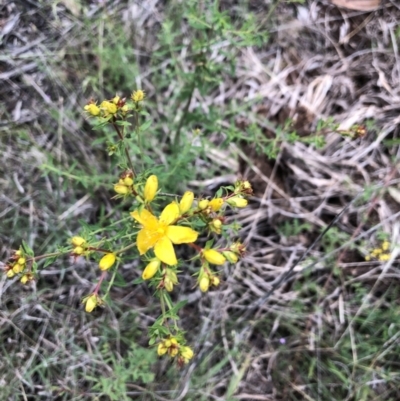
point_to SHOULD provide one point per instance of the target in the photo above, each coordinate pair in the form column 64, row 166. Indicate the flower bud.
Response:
column 187, row 353
column 92, row 109
column 78, row 250
column 21, row 261
column 77, row 241
column 168, row 284
column 186, row 202
column 151, row 269
column 27, row 277
column 385, row 245
column 116, row 99
column 216, row 204
column 137, row 96
column 236, row 201
column 90, row 303
column 128, row 181
column 108, row 107
column 162, row 348
column 10, row 273
column 204, row 283
column 107, row 261
column 214, row 257
column 231, row 256
column 121, row 189
column 203, row 204
column 150, row 188
column 215, row 281
column 217, row 223
column 17, row 268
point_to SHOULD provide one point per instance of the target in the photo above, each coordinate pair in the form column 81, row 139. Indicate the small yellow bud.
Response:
column 216, row 204
column 385, row 245
column 231, row 256
column 246, row 185
column 90, row 303
column 116, row 99
column 128, row 181
column 167, row 343
column 107, row 261
column 162, row 349
column 108, row 107
column 92, row 109
column 125, row 109
column 236, row 201
column 187, row 353
column 173, row 352
column 26, row 278
column 217, row 223
column 368, row 258
column 203, row 204
column 10, row 273
column 121, row 189
column 77, row 241
column 168, row 284
column 214, row 257
column 17, row 268
column 18, row 253
column 215, row 281
column 204, row 283
column 21, row 261
column 138, row 96
column 384, row 257
column 186, row 202
column 150, row 188
column 79, row 250
column 151, row 269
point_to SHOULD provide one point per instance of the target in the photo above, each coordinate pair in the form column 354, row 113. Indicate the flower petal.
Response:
column 145, row 218
column 181, row 235
column 169, row 214
column 146, row 239
column 164, row 251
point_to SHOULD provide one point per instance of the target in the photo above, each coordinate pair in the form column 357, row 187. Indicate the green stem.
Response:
column 121, row 137
column 112, row 280
column 177, row 140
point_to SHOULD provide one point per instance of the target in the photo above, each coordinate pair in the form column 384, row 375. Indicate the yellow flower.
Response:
column 138, row 96
column 107, row 261
column 151, row 269
column 187, row 353
column 216, row 204
column 108, row 107
column 92, row 109
column 214, row 257
column 204, row 283
column 150, row 188
column 236, row 201
column 385, row 245
column 121, row 189
column 90, row 302
column 384, row 257
column 186, row 202
column 160, row 234
column 77, row 241
column 116, row 99
column 21, row 261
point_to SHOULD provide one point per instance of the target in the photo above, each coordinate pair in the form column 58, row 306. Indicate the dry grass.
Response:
column 331, row 330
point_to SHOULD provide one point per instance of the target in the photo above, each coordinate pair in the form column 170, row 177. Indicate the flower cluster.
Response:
column 382, row 254
column 17, row 264
column 173, row 348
